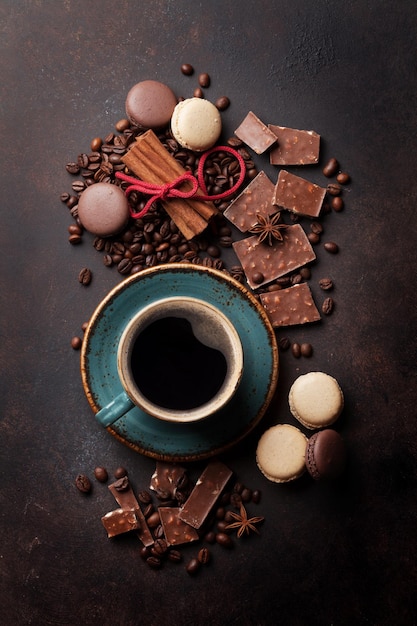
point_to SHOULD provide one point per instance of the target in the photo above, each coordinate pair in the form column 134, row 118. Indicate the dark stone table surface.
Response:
column 337, row 554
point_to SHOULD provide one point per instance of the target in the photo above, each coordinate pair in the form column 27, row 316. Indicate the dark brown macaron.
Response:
column 150, row 104
column 103, row 209
column 325, row 455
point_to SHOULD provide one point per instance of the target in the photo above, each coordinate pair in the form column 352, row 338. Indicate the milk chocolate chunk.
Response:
column 255, row 199
column 294, row 147
column 120, row 521
column 255, row 133
column 290, row 306
column 205, row 494
column 176, row 531
column 126, row 499
column 298, row 195
column 167, row 478
column 263, row 263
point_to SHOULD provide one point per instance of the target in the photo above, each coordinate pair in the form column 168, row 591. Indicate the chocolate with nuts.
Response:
column 298, row 195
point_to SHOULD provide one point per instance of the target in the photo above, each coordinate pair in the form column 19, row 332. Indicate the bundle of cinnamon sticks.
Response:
column 152, row 163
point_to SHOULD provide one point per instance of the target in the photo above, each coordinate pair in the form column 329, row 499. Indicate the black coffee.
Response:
column 173, row 369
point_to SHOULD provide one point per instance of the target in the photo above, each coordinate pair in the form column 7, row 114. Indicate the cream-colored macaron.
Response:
column 316, row 400
column 196, row 124
column 280, row 454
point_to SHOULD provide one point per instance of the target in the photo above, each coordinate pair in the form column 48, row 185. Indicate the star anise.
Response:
column 269, row 227
column 243, row 523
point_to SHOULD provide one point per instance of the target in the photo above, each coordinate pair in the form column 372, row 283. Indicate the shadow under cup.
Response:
column 180, row 359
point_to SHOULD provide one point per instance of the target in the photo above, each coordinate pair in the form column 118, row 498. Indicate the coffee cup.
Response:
column 179, row 359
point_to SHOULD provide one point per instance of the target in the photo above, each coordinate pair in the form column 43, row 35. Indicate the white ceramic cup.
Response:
column 210, row 327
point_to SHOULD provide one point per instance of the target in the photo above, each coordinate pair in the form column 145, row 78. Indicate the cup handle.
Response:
column 110, row 413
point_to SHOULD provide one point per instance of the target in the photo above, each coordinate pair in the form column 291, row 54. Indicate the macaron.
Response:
column 280, row 454
column 150, row 104
column 196, row 124
column 103, row 209
column 325, row 454
column 316, row 400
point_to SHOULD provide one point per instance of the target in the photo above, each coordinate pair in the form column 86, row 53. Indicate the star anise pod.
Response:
column 269, row 227
column 243, row 523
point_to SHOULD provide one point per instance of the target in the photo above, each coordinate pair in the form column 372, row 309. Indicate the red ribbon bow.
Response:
column 171, row 190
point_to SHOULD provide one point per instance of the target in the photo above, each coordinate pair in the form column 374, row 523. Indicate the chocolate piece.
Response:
column 287, row 307
column 205, row 494
column 263, row 263
column 298, row 195
column 325, row 454
column 176, row 531
column 255, row 133
column 125, row 498
column 255, row 199
column 167, row 478
column 295, row 147
column 120, row 521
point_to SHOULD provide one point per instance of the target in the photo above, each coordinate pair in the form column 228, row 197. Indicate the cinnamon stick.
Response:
column 151, row 162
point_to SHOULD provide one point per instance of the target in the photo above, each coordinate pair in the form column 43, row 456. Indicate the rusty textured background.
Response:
column 327, row 555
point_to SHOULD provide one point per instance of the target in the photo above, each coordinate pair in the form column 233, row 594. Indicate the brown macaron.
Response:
column 325, row 455
column 103, row 209
column 150, row 104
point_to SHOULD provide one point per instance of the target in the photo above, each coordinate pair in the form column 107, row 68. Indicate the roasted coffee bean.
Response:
column 296, row 350
column 148, row 510
column 337, row 204
column 120, row 472
column 75, row 229
column 228, row 518
column 236, row 500
column 331, row 247
column 246, row 495
column 159, row 532
column 76, row 343
column 64, row 196
column 122, row 125
column 316, row 227
column 159, row 547
column 284, row 343
column 144, row 497
column 101, row 474
column 224, row 540
column 124, row 266
column 108, row 260
column 220, row 513
column 213, row 251
column 222, row 103
column 193, row 567
column 85, row 276
column 78, row 186
column 313, row 238
column 204, row 80
column 174, row 555
column 296, row 279
column 99, row 243
column 198, row 93
column 210, row 537
column 84, row 326
column 72, row 202
column 222, row 526
column 83, row 484
column 154, row 562
column 326, row 284
column 256, row 496
column 331, row 167
column 343, row 178
column 305, row 272
column 122, row 484
column 204, row 556
column 334, row 189
column 306, row 349
column 154, row 520
column 82, row 160
column 274, row 287
column 187, row 69
column 327, row 306
column 96, row 144
column 72, row 168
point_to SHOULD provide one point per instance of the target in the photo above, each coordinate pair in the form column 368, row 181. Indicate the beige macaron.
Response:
column 316, row 400
column 280, row 454
column 196, row 124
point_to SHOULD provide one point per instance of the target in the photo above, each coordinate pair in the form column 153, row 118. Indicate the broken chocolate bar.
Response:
column 125, row 498
column 298, row 195
column 263, row 263
column 255, row 199
column 287, row 307
column 205, row 494
column 255, row 133
column 120, row 521
column 295, row 147
column 167, row 478
column 176, row 531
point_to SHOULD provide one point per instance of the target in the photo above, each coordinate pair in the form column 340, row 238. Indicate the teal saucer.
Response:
column 191, row 441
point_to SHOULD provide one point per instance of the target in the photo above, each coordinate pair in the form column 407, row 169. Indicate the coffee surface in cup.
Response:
column 172, row 368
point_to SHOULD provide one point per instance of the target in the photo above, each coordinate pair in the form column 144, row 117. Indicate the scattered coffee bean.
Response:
column 174, row 555
column 337, row 204
column 122, row 484
column 76, row 343
column 305, row 273
column 313, row 238
column 72, row 168
column 84, row 326
column 153, row 520
column 122, row 125
column 204, row 80
column 284, row 343
column 159, row 547
column 101, row 474
column 204, row 556
column 144, row 497
column 256, row 496
column 120, row 472
column 331, row 247
column 193, row 567
column 306, row 349
column 334, row 190
column 224, row 540
column 198, row 93
column 83, row 484
column 222, row 103
column 222, row 526
column 326, row 284
column 327, row 306
column 331, row 167
column 343, row 178
column 75, row 239
column 96, row 144
column 85, row 276
column 154, row 562
column 187, row 69
column 296, row 350
column 246, row 495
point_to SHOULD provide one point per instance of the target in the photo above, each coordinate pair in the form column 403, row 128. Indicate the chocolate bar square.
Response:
column 290, row 306
column 294, row 147
column 298, row 195
column 255, row 133
column 255, row 199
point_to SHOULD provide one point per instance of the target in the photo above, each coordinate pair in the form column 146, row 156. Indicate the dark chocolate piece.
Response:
column 255, row 133
column 126, row 499
column 255, row 199
column 295, row 147
column 205, row 494
column 263, row 263
column 176, row 531
column 290, row 306
column 298, row 195
column 120, row 521
column 167, row 478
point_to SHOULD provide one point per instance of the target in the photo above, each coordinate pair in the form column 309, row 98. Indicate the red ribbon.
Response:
column 171, row 190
